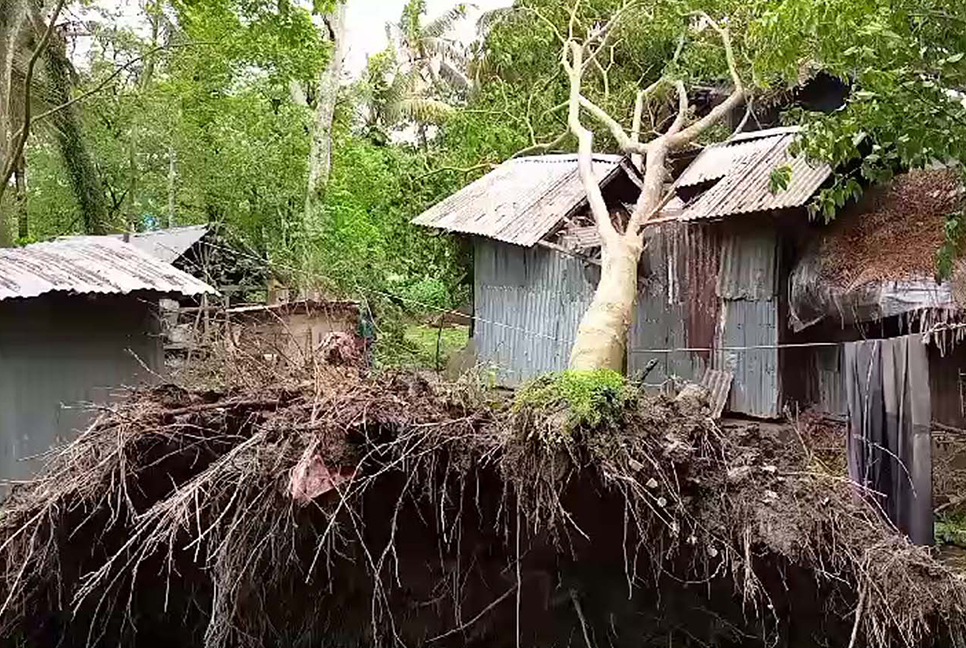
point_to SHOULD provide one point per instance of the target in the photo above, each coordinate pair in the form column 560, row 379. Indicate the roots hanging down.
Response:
column 376, row 511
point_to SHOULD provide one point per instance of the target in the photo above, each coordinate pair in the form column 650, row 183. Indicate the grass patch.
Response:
column 417, row 349
column 951, row 529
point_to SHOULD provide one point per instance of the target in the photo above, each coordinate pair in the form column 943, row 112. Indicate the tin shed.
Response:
column 710, row 280
column 77, row 320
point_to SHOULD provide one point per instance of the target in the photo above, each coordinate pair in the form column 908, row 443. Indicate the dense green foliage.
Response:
column 204, row 114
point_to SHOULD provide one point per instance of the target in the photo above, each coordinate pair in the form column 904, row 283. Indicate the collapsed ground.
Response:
column 351, row 510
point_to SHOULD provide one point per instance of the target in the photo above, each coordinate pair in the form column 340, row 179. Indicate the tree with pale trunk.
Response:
column 320, row 154
column 601, row 341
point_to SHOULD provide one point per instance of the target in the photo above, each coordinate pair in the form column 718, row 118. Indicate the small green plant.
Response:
column 590, row 398
column 948, row 252
column 951, row 529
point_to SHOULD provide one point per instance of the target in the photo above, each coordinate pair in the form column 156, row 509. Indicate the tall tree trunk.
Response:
column 601, row 341
column 172, row 183
column 85, row 179
column 12, row 17
column 20, row 182
column 320, row 155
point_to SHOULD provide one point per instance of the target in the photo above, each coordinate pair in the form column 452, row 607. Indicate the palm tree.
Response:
column 426, row 48
column 420, row 75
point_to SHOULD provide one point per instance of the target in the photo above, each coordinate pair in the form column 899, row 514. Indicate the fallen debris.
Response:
column 380, row 510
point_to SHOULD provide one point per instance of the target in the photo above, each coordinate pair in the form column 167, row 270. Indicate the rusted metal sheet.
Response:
column 747, row 343
column 745, row 186
column 749, row 264
column 702, row 253
column 166, row 244
column 677, row 306
column 90, row 265
column 522, row 200
column 718, row 384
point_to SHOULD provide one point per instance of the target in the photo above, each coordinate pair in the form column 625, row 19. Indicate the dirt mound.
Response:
column 371, row 511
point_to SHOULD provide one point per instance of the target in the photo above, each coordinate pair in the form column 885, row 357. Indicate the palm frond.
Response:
column 444, row 23
column 490, row 19
column 446, row 49
column 425, row 109
column 453, row 75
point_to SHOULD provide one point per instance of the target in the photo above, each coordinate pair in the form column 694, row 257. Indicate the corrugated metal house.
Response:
column 528, row 298
column 711, row 277
column 77, row 320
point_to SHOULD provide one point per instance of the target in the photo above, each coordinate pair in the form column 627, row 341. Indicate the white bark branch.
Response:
column 585, row 152
column 636, row 158
column 682, row 115
column 721, row 110
column 626, row 144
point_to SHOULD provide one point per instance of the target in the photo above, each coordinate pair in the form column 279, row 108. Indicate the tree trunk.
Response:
column 320, row 155
column 601, row 341
column 84, row 177
column 602, row 335
column 12, row 15
column 172, row 183
column 20, row 181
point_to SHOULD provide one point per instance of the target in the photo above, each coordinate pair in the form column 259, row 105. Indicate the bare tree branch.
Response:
column 573, row 20
column 542, row 148
column 749, row 108
column 547, row 22
column 617, row 131
column 585, row 151
column 718, row 112
column 604, row 33
column 636, row 158
column 682, row 115
column 17, row 150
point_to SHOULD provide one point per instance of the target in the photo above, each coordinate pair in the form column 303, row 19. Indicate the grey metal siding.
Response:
column 748, row 288
column 59, row 352
column 528, row 304
column 756, row 387
column 749, row 265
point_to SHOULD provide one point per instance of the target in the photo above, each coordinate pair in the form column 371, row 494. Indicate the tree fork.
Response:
column 601, row 341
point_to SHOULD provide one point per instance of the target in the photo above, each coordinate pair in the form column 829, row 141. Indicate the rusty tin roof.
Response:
column 742, row 167
column 521, row 200
column 90, row 265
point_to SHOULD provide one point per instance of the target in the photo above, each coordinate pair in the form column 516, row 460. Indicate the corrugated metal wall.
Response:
column 528, row 304
column 700, row 289
column 748, row 289
column 677, row 307
column 66, row 350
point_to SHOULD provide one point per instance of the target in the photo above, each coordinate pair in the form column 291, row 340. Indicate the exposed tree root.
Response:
column 376, row 511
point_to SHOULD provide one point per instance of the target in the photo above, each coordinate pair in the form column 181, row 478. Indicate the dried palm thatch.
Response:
column 353, row 510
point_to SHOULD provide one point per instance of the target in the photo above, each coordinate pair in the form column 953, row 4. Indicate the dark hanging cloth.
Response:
column 889, row 446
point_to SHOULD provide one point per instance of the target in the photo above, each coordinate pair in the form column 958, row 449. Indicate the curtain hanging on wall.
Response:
column 889, row 446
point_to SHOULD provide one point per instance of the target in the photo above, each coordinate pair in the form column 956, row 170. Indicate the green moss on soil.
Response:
column 589, row 398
